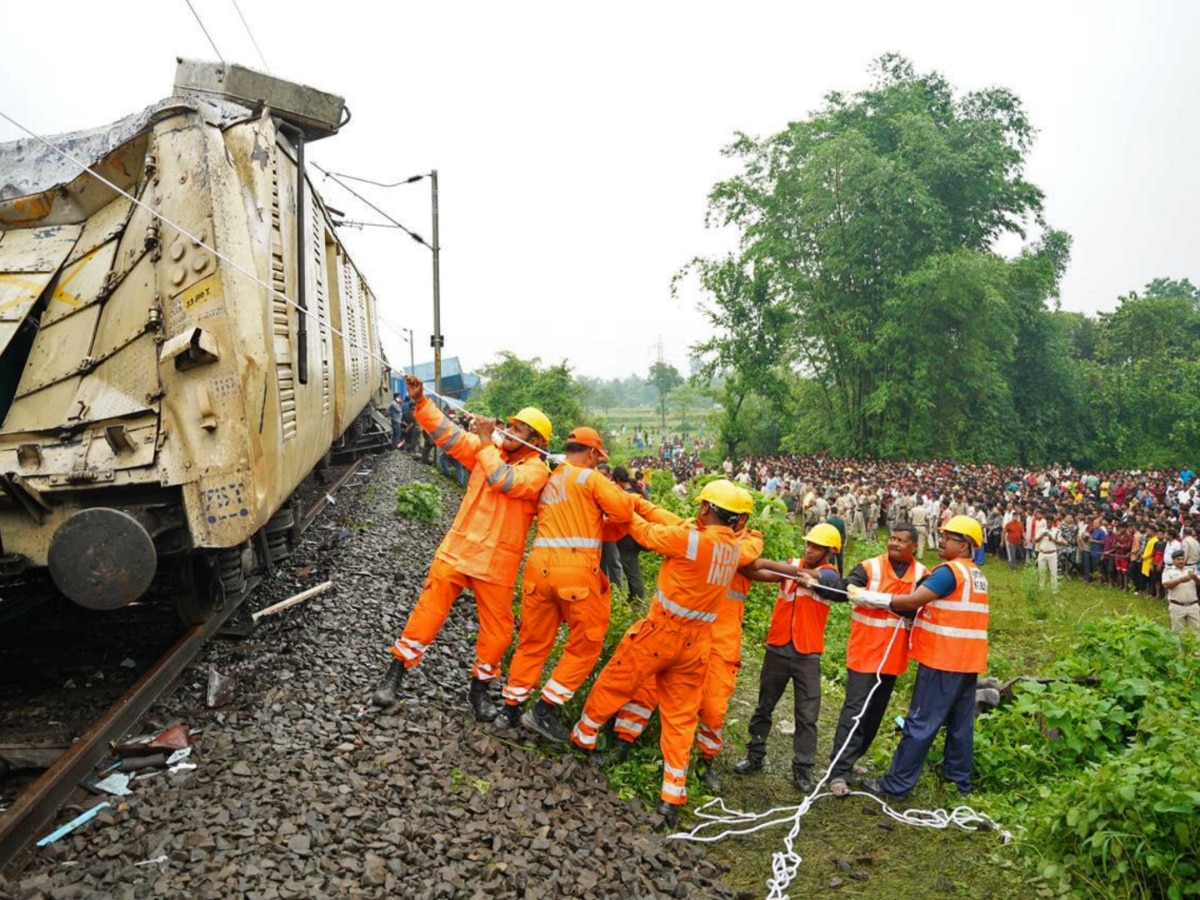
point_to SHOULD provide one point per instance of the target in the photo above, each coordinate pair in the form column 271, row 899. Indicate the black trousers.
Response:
column 804, row 672
column 858, row 686
column 632, row 566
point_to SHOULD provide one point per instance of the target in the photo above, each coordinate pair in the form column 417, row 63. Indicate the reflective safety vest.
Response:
column 799, row 616
column 871, row 629
column 951, row 634
column 487, row 539
column 701, row 561
column 570, row 520
column 727, row 629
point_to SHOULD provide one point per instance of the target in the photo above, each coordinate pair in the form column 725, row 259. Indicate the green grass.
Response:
column 1029, row 629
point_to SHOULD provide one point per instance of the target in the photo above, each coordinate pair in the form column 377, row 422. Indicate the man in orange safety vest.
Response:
column 874, row 646
column 483, row 548
column 950, row 644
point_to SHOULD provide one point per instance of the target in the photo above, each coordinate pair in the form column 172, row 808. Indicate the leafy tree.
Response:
column 869, row 226
column 664, row 377
column 512, row 383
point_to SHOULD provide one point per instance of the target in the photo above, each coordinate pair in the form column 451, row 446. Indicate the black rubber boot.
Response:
column 510, row 715
column 802, row 778
column 617, row 753
column 388, row 690
column 669, row 813
column 485, row 709
column 541, row 720
column 708, row 776
column 756, row 753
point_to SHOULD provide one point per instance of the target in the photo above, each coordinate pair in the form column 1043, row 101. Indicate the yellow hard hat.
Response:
column 535, row 419
column 825, row 535
column 967, row 527
column 727, row 495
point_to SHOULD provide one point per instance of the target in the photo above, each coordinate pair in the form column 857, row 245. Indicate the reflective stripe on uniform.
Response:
column 583, row 475
column 872, row 621
column 582, row 737
column 562, row 543
column 736, row 596
column 634, row 725
column 637, row 710
column 674, row 790
column 584, row 720
column 671, row 770
column 442, row 429
column 693, row 547
column 453, row 442
column 705, row 741
column 970, row 633
column 960, row 605
column 682, row 611
column 556, row 693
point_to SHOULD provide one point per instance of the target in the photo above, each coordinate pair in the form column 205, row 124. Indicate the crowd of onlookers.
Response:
column 1115, row 528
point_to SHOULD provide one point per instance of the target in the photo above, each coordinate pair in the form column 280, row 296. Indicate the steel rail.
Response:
column 38, row 803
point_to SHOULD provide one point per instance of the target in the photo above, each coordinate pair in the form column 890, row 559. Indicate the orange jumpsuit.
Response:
column 724, row 662
column 671, row 645
column 483, row 548
column 563, row 583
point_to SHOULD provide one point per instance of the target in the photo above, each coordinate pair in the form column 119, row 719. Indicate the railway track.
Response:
column 37, row 804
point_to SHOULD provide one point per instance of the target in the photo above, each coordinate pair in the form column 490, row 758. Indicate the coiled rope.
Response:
column 717, row 816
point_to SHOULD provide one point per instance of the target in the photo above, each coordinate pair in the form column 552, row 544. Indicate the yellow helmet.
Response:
column 535, row 419
column 967, row 527
column 825, row 535
column 727, row 495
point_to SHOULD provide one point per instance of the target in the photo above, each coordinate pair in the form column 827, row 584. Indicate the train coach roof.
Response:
column 28, row 166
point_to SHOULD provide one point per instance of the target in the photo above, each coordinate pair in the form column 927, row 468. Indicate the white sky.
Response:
column 576, row 144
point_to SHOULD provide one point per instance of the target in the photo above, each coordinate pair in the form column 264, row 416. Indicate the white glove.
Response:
column 874, row 599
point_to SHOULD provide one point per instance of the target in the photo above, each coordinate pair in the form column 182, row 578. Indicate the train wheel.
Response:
column 202, row 595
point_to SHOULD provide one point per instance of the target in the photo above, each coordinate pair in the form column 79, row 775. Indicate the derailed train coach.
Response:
column 183, row 339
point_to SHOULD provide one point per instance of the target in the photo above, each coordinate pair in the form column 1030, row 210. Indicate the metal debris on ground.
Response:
column 292, row 601
column 220, row 688
column 116, row 784
column 81, row 819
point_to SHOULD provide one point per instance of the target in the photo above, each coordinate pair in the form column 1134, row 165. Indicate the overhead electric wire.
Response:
column 246, row 25
column 338, row 180
column 200, row 22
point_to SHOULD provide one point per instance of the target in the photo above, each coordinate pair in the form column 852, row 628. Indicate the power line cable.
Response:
column 337, row 179
column 257, row 49
column 200, row 22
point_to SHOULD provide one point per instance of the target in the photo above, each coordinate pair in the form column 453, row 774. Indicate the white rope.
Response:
column 786, row 863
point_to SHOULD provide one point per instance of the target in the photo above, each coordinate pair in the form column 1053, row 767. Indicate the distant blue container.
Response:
column 980, row 556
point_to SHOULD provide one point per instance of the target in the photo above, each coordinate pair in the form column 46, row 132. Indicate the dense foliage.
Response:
column 512, row 383
column 1105, row 758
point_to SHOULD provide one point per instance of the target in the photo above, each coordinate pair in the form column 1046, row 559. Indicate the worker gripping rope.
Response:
column 873, row 652
column 795, row 642
column 671, row 644
column 950, row 645
column 724, row 662
column 483, row 548
column 563, row 583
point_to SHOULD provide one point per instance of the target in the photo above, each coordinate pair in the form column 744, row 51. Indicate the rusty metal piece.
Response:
column 102, row 558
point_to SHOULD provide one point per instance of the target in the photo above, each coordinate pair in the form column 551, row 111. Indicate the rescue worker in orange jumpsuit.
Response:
column 724, row 662
column 950, row 644
column 563, row 583
column 483, row 548
column 671, row 644
column 795, row 642
column 874, row 646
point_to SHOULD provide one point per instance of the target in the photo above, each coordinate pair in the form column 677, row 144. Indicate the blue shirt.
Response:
column 941, row 581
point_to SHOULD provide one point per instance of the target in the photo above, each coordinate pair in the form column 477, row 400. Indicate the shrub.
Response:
column 419, row 500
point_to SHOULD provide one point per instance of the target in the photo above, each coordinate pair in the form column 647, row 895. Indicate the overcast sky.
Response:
column 576, row 143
